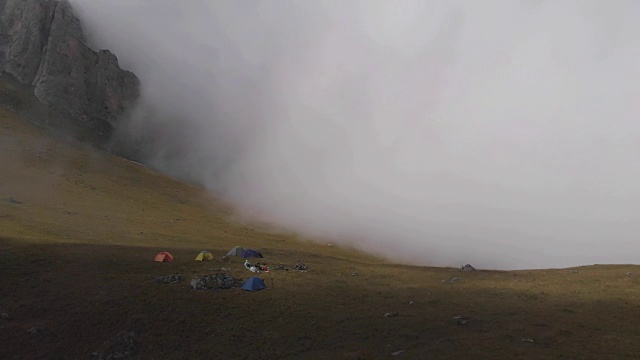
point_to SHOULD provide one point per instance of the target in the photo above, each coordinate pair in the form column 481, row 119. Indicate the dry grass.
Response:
column 76, row 261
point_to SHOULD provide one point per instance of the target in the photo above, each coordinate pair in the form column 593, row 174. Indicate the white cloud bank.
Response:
column 505, row 134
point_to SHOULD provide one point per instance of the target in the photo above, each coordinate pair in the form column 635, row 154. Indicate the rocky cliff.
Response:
column 3, row 37
column 42, row 44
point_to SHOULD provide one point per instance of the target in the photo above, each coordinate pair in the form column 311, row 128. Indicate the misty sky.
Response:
column 504, row 134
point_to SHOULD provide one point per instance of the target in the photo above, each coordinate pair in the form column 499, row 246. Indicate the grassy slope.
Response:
column 75, row 261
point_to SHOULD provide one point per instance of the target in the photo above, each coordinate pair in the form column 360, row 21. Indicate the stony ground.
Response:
column 79, row 229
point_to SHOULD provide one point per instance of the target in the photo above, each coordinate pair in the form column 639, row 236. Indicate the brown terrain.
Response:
column 79, row 229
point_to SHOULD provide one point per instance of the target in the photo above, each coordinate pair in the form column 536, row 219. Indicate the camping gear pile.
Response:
column 264, row 267
column 250, row 267
column 257, row 268
column 299, row 266
column 215, row 282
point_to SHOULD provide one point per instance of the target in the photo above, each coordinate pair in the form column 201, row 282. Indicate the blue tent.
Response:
column 251, row 253
column 254, row 283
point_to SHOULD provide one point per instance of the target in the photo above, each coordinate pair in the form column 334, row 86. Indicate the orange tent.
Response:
column 163, row 256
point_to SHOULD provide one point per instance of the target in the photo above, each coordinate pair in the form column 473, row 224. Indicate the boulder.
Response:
column 467, row 268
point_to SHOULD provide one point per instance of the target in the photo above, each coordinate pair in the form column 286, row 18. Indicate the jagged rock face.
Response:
column 87, row 84
column 3, row 37
column 44, row 46
column 26, row 24
column 3, row 45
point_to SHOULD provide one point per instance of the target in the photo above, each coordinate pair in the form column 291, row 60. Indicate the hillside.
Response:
column 79, row 229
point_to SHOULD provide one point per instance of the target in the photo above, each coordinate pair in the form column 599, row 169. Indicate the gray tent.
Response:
column 236, row 251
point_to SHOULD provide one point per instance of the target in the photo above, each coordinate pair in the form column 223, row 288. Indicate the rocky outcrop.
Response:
column 26, row 24
column 3, row 45
column 42, row 44
column 4, row 39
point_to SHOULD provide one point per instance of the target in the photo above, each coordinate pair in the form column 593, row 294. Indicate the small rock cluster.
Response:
column 467, row 268
column 464, row 320
column 34, row 330
column 461, row 320
column 215, row 282
column 282, row 267
column 169, row 279
column 299, row 266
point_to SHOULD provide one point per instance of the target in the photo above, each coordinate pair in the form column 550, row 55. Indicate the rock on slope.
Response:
column 42, row 44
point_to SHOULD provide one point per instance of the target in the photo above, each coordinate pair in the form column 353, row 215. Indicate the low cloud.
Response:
column 502, row 134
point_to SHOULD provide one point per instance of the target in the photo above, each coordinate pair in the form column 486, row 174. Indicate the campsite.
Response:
column 80, row 230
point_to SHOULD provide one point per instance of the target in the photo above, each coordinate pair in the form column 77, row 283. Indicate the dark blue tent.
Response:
column 251, row 253
column 254, row 283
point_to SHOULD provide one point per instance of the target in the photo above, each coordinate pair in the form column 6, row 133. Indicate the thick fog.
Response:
column 504, row 134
